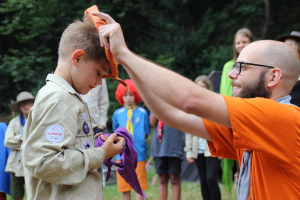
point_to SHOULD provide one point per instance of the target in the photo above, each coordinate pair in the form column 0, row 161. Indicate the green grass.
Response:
column 189, row 190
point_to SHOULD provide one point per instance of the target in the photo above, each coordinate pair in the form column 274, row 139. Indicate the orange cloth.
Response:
column 98, row 21
column 272, row 131
column 123, row 186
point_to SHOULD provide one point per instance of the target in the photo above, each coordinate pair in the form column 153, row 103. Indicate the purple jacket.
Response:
column 127, row 166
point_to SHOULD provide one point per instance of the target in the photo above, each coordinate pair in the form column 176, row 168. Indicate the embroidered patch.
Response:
column 83, row 116
column 137, row 120
column 85, row 128
column 54, row 133
column 86, row 144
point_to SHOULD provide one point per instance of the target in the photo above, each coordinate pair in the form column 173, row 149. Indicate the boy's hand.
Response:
column 103, row 137
column 111, row 35
column 112, row 149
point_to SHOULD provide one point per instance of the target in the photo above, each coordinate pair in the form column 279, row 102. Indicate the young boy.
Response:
column 60, row 157
column 136, row 121
column 14, row 139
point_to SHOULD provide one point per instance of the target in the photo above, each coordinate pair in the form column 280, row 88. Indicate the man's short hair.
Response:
column 81, row 35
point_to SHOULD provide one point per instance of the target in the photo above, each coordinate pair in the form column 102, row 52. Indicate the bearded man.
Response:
column 261, row 129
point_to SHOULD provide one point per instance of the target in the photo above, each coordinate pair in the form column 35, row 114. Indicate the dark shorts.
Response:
column 17, row 186
column 167, row 165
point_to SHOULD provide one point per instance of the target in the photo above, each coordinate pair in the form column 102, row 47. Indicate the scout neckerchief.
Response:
column 98, row 21
column 129, row 125
column 244, row 177
column 159, row 130
column 128, row 164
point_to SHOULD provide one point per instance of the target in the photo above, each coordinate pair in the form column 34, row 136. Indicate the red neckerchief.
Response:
column 159, row 130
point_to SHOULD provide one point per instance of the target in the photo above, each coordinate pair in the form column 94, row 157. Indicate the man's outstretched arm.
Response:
column 170, row 115
column 169, row 86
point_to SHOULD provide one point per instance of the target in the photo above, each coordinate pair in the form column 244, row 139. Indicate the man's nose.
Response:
column 232, row 74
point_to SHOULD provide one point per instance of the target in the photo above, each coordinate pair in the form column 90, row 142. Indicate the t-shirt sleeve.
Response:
column 147, row 123
column 222, row 140
column 115, row 123
column 265, row 126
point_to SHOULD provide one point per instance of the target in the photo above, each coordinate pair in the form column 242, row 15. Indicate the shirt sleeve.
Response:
column 147, row 123
column 115, row 123
column 63, row 162
column 9, row 140
column 265, row 126
column 222, row 140
column 188, row 145
column 103, row 103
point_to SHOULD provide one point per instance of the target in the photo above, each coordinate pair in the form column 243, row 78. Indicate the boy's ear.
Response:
column 77, row 56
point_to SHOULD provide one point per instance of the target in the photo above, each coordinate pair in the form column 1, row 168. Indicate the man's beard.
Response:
column 256, row 88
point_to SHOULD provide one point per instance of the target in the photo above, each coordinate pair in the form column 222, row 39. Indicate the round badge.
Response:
column 86, row 144
column 85, row 128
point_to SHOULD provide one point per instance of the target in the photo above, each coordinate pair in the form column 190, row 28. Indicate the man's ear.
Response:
column 77, row 56
column 275, row 77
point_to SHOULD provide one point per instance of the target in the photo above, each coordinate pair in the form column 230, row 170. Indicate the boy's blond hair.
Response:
column 81, row 35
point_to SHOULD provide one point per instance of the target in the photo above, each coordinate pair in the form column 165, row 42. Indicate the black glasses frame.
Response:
column 238, row 66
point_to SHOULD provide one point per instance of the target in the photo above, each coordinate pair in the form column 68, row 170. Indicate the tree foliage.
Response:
column 186, row 36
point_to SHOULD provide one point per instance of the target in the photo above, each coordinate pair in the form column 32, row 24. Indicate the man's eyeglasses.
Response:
column 238, row 66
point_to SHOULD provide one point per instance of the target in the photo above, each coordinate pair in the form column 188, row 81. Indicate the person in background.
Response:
column 294, row 41
column 197, row 152
column 242, row 38
column 14, row 140
column 4, row 176
column 136, row 121
column 98, row 102
column 167, row 150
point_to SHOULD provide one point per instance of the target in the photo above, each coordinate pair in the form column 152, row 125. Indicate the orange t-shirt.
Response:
column 272, row 131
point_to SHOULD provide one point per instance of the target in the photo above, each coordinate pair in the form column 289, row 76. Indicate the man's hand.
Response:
column 190, row 160
column 110, row 148
column 111, row 35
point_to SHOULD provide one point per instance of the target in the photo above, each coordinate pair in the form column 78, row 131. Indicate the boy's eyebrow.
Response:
column 107, row 71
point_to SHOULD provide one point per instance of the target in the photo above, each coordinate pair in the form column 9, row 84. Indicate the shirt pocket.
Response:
column 85, row 135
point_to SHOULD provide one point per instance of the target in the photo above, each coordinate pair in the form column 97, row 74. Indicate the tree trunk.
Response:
column 267, row 18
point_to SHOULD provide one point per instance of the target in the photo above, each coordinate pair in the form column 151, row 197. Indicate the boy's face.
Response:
column 88, row 74
column 128, row 99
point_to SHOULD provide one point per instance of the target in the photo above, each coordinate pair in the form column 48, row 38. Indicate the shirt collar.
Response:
column 285, row 100
column 63, row 83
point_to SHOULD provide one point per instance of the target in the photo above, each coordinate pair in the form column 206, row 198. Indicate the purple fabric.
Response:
column 128, row 164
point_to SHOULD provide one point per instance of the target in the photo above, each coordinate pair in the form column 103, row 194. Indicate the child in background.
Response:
column 167, row 150
column 136, row 121
column 4, row 153
column 14, row 139
column 197, row 152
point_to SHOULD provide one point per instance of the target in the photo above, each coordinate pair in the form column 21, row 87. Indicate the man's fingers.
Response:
column 104, row 38
column 106, row 17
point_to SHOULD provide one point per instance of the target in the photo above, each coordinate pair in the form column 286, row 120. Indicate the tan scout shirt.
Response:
column 192, row 146
column 60, row 161
column 14, row 162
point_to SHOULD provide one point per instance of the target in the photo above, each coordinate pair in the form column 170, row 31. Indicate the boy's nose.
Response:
column 99, row 81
